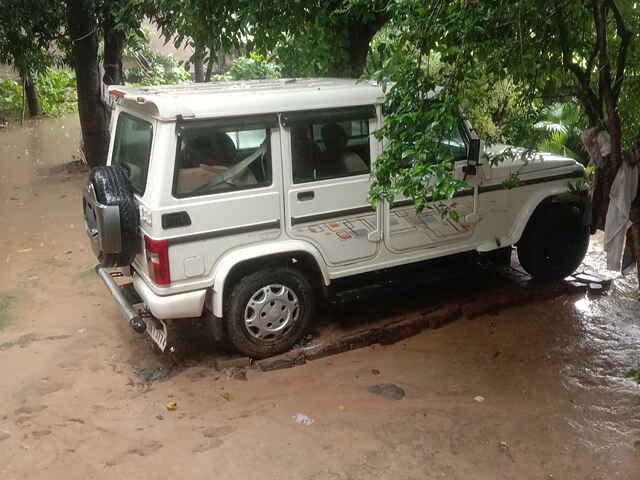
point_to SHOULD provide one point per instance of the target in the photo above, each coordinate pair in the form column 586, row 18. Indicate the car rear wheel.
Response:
column 554, row 242
column 269, row 311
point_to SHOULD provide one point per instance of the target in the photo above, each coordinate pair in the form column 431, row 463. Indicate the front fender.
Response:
column 525, row 212
column 252, row 252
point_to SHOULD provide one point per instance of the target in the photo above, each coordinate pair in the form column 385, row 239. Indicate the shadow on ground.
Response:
column 388, row 310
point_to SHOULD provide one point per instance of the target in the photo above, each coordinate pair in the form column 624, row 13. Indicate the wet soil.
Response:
column 531, row 391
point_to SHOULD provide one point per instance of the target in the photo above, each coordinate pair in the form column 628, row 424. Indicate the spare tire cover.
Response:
column 112, row 188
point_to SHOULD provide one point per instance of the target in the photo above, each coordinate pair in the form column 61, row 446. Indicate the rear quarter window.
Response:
column 132, row 149
column 222, row 159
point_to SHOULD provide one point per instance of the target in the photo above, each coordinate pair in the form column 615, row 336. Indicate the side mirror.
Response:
column 473, row 141
column 473, row 158
column 474, row 150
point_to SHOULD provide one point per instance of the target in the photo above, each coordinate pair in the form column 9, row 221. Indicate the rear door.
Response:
column 132, row 144
column 327, row 181
column 226, row 179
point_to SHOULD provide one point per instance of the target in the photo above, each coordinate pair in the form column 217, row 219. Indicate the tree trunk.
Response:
column 31, row 92
column 221, row 59
column 607, row 172
column 360, row 35
column 198, row 58
column 82, row 25
column 210, row 61
column 113, row 46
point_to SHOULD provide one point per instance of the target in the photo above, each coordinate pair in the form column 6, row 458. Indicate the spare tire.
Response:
column 111, row 216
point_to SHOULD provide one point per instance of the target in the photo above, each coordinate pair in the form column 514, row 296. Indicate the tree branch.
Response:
column 600, row 14
column 592, row 59
column 591, row 101
column 625, row 40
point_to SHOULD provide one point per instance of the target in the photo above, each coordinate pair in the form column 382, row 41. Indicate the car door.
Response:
column 327, row 181
column 406, row 230
column 227, row 179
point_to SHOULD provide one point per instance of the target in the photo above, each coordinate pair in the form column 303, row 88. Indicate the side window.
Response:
column 216, row 160
column 330, row 149
column 132, row 149
column 449, row 142
column 452, row 144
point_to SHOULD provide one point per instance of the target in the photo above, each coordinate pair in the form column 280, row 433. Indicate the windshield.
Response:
column 132, row 149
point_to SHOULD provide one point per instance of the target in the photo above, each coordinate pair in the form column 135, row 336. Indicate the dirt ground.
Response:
column 538, row 391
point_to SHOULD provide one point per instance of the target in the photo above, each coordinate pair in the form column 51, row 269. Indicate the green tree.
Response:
column 309, row 37
column 211, row 28
column 584, row 49
column 152, row 68
column 86, row 23
column 315, row 37
column 253, row 67
column 27, row 29
column 563, row 124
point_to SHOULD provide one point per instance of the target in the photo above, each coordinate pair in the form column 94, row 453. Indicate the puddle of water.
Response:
column 601, row 351
column 583, row 305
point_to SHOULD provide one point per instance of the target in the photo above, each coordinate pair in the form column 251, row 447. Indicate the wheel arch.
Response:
column 237, row 263
column 557, row 194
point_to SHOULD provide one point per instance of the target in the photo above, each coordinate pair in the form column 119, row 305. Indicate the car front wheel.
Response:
column 269, row 311
column 554, row 242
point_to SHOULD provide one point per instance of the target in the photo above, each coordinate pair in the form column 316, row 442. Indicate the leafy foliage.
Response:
column 303, row 36
column 152, row 68
column 498, row 60
column 57, row 90
column 253, row 67
column 10, row 95
column 27, row 29
column 314, row 37
column 563, row 124
column 205, row 25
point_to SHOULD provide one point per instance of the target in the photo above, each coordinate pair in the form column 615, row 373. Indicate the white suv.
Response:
column 244, row 201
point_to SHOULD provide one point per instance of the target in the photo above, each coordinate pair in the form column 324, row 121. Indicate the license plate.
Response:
column 157, row 330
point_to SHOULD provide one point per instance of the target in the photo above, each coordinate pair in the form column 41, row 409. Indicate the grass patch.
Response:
column 6, row 302
column 22, row 342
column 635, row 373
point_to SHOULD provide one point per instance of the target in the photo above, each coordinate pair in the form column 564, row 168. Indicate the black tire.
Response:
column 554, row 242
column 243, row 337
column 501, row 256
column 112, row 187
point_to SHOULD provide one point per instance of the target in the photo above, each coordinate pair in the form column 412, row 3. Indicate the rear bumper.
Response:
column 180, row 305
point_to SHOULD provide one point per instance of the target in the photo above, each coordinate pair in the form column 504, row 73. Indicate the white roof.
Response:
column 224, row 99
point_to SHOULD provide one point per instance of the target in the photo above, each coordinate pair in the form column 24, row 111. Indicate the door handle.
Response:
column 305, row 196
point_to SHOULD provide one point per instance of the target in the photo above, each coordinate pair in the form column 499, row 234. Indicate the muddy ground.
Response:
column 535, row 391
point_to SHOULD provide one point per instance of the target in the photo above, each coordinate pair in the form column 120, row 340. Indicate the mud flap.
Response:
column 216, row 327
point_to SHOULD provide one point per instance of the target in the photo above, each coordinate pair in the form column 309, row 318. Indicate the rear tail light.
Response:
column 157, row 252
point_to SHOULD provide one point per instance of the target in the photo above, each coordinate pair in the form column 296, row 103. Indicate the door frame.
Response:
column 288, row 186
